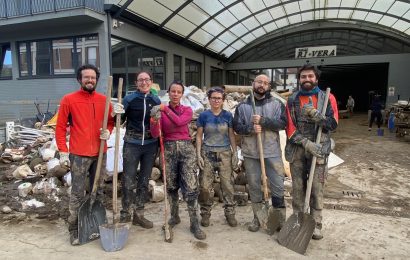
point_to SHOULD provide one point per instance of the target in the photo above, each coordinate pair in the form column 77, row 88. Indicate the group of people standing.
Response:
column 214, row 151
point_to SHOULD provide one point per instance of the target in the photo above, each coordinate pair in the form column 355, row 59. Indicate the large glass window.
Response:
column 55, row 57
column 5, row 61
column 216, row 77
column 192, row 73
column 177, row 67
column 128, row 58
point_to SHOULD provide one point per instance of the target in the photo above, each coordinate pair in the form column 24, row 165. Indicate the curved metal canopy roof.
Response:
column 225, row 27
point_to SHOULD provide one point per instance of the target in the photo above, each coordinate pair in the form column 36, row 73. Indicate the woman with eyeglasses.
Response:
column 180, row 157
column 140, row 148
column 216, row 151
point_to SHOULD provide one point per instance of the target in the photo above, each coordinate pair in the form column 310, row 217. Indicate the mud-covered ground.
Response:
column 367, row 215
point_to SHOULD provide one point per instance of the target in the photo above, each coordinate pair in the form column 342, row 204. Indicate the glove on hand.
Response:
column 312, row 113
column 117, row 108
column 156, row 111
column 104, row 135
column 235, row 161
column 313, row 148
column 64, row 160
column 200, row 162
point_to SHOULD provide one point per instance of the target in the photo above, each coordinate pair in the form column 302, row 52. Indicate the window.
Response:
column 216, row 77
column 129, row 58
column 231, row 77
column 5, row 61
column 192, row 73
column 177, row 67
column 55, row 57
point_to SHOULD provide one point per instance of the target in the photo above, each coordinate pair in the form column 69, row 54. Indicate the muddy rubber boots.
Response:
column 139, row 219
column 279, row 204
column 194, row 228
column 174, row 204
column 254, row 226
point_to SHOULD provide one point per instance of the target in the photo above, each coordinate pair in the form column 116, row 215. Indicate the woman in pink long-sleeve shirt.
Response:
column 180, row 155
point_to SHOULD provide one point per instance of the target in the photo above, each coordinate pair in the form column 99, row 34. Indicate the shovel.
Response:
column 298, row 229
column 91, row 213
column 268, row 216
column 167, row 228
column 115, row 235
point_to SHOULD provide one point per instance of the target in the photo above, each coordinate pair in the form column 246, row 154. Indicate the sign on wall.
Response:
column 315, row 52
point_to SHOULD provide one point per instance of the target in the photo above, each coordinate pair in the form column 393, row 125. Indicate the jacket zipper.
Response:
column 143, row 119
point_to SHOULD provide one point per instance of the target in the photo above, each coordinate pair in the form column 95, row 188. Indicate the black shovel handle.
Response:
column 314, row 158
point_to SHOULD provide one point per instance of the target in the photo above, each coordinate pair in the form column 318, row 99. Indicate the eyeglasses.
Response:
column 143, row 80
column 215, row 98
column 260, row 82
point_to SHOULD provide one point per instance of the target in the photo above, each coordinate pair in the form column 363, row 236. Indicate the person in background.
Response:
column 350, row 105
column 83, row 111
column 180, row 156
column 216, row 151
column 140, row 149
column 303, row 118
column 269, row 119
column 376, row 114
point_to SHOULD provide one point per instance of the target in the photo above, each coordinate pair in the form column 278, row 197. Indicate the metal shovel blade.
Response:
column 268, row 218
column 297, row 232
column 89, row 220
column 114, row 236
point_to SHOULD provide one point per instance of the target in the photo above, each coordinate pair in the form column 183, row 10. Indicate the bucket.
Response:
column 380, row 132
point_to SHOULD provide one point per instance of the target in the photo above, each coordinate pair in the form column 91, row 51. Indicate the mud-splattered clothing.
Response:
column 217, row 156
column 180, row 154
column 298, row 128
column 216, row 137
column 216, row 163
column 82, row 174
column 140, row 149
column 273, row 120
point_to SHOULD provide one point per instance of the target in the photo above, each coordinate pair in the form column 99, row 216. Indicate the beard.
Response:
column 260, row 91
column 308, row 85
column 87, row 87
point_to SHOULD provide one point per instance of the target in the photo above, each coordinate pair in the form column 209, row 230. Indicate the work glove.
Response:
column 235, row 161
column 156, row 111
column 313, row 148
column 104, row 135
column 312, row 113
column 64, row 160
column 200, row 162
column 117, row 108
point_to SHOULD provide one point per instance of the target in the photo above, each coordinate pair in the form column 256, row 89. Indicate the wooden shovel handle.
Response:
column 261, row 155
column 116, row 152
column 102, row 143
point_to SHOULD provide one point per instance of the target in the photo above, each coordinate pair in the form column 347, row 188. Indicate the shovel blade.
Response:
column 268, row 218
column 90, row 218
column 297, row 232
column 114, row 237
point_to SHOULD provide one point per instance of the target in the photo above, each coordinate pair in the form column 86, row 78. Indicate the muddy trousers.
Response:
column 81, row 166
column 300, row 168
column 134, row 183
column 216, row 162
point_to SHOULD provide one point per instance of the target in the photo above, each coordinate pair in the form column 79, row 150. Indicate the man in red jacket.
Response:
column 83, row 112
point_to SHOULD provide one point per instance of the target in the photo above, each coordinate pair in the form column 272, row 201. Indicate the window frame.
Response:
column 9, row 47
column 75, row 59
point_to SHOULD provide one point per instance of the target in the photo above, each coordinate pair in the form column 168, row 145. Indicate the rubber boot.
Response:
column 174, row 204
column 317, row 233
column 139, row 219
column 230, row 218
column 205, row 219
column 126, row 201
column 194, row 228
column 279, row 204
column 73, row 230
column 125, row 216
column 254, row 226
